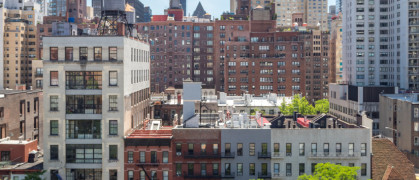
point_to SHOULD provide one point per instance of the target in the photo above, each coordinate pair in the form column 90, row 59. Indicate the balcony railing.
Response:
column 201, row 176
column 84, row 109
column 228, row 155
column 155, row 163
column 228, row 175
column 266, row 175
column 202, row 155
column 264, row 154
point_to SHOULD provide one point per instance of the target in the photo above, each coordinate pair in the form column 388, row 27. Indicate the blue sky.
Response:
column 214, row 7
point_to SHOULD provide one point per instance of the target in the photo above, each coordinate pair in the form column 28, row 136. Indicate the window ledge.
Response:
column 113, row 111
column 53, row 135
column 113, row 135
column 113, row 160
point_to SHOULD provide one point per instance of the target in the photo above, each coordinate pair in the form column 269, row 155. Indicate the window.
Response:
column 83, row 53
column 239, row 149
column 289, row 169
column 288, row 149
column 83, row 104
column 113, row 103
column 276, row 169
column 113, row 174
column 113, row 127
column 130, row 157
column 130, row 175
column 53, row 78
column 83, row 79
column 326, row 149
column 264, row 149
column 276, row 149
column 113, row 78
column 142, row 175
column 5, row 156
column 178, row 169
column 53, row 152
column 203, row 148
column 53, row 103
column 97, row 53
column 227, row 169
column 190, row 169
column 68, row 53
column 203, row 169
column 252, row 169
column 83, row 153
column 165, row 157
column 351, row 149
column 53, row 53
column 251, row 149
column 153, row 157
column 53, row 174
column 215, row 148
column 363, row 169
column 301, row 169
column 113, row 152
column 53, row 125
column 313, row 167
column 302, row 149
column 314, row 149
column 113, row 54
column 215, row 169
column 178, row 148
column 338, row 149
column 165, row 175
column 364, row 149
column 142, row 157
column 227, row 149
column 190, row 149
column 239, row 169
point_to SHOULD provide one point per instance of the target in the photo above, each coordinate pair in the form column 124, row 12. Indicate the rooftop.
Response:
column 7, row 141
column 409, row 97
column 8, row 92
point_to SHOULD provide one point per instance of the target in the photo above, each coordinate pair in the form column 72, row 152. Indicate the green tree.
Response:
column 298, row 104
column 34, row 175
column 328, row 171
column 322, row 106
column 284, row 108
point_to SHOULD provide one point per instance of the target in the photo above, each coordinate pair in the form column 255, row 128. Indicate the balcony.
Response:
column 228, row 155
column 228, row 175
column 84, row 109
column 264, row 154
column 155, row 163
column 39, row 75
column 202, row 155
column 266, row 175
column 337, row 155
column 413, row 7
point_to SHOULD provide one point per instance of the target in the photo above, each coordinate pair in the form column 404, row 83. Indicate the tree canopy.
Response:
column 302, row 106
column 328, row 171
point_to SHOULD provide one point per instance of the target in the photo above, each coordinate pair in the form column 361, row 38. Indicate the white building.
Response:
column 380, row 43
column 96, row 91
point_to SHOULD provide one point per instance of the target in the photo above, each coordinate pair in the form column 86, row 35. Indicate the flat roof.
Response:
column 409, row 97
column 150, row 134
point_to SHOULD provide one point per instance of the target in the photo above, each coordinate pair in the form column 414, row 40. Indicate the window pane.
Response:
column 98, row 53
column 113, row 78
column 113, row 152
column 54, row 78
column 112, row 53
column 54, row 152
column 83, row 53
column 68, row 53
column 54, row 127
column 53, row 53
column 113, row 127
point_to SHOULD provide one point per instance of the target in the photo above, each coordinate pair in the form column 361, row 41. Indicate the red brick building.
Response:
column 196, row 153
column 148, row 155
column 17, row 151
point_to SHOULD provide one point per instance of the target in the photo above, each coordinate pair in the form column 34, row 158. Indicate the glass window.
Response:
column 98, row 53
column 5, row 156
column 289, row 149
column 178, row 147
column 351, row 149
column 227, row 148
column 251, row 149
column 80, row 104
column 203, row 148
column 264, row 149
column 113, row 127
column 276, row 169
column 190, row 169
column 364, row 149
column 227, row 169
column 53, row 53
column 112, row 53
column 165, row 157
column 142, row 157
column 276, row 149
column 83, row 79
column 53, row 78
column 363, row 169
column 326, row 149
column 83, row 53
column 301, row 169
column 53, row 152
column 252, row 169
column 165, row 175
column 113, row 174
column 239, row 149
column 215, row 148
column 239, row 169
column 113, row 152
column 83, row 153
column 302, row 149
column 153, row 157
column 313, row 167
column 178, row 169
column 190, row 149
column 53, row 104
column 113, row 103
column 142, row 175
column 130, row 157
column 53, row 125
column 314, row 149
column 289, row 169
column 83, row 129
column 113, row 78
column 130, row 175
column 68, row 53
column 215, row 169
column 338, row 149
column 203, row 169
column 264, row 169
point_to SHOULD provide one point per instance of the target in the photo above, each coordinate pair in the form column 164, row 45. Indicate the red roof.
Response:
column 178, row 14
column 303, row 122
column 264, row 120
column 159, row 18
column 151, row 134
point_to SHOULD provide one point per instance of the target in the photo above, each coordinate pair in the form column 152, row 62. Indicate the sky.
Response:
column 214, row 7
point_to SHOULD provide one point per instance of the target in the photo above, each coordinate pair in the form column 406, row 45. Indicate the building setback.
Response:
column 92, row 115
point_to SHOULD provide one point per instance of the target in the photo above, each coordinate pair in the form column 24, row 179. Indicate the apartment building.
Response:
column 18, row 38
column 57, row 8
column 21, row 114
column 314, row 12
column 96, row 91
column 399, row 120
column 97, row 8
column 379, row 45
column 37, row 74
column 335, row 61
